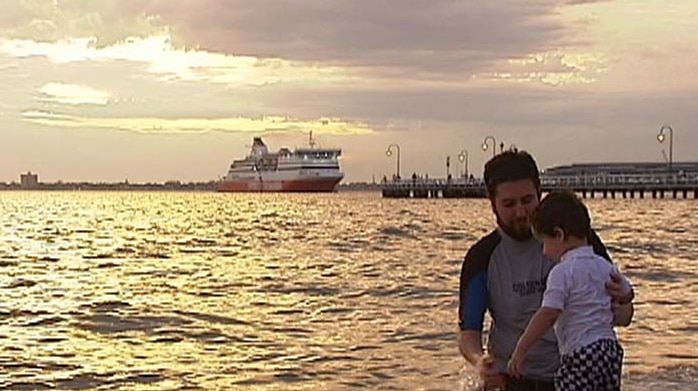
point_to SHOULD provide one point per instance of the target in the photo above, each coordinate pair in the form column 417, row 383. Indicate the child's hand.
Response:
column 516, row 363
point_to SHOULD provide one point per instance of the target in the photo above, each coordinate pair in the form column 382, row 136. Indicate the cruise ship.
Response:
column 302, row 170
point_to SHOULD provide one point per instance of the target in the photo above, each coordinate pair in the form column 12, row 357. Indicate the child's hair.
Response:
column 563, row 210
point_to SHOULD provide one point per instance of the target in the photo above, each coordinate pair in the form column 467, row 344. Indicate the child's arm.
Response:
column 540, row 323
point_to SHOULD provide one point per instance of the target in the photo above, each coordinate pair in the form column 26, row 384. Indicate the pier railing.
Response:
column 627, row 181
column 606, row 185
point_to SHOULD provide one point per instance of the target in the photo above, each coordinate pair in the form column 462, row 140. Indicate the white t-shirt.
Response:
column 576, row 286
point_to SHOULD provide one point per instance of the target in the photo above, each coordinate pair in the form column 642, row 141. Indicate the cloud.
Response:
column 358, row 42
column 330, row 126
column 417, row 39
column 424, row 36
column 72, row 94
column 551, row 68
column 108, row 21
column 180, row 64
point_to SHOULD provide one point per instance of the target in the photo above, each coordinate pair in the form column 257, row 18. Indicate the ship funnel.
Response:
column 258, row 147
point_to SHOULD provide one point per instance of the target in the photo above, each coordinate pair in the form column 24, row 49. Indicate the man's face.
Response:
column 513, row 204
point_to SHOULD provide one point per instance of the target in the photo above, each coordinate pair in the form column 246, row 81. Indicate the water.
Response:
column 205, row 291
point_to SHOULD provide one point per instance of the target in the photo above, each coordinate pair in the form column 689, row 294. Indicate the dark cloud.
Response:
column 504, row 108
column 434, row 39
column 425, row 36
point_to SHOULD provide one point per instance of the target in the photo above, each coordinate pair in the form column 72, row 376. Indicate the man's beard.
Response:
column 519, row 232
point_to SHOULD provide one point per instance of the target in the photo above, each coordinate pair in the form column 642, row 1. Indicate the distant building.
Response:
column 637, row 168
column 29, row 181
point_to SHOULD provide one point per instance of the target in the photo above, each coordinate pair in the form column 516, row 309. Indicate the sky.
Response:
column 160, row 90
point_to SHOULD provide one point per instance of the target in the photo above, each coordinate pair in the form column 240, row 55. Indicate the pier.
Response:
column 434, row 188
column 675, row 185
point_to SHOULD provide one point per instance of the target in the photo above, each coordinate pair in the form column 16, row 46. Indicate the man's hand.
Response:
column 487, row 372
column 470, row 346
column 619, row 288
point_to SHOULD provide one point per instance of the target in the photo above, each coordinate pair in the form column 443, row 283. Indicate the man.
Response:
column 505, row 273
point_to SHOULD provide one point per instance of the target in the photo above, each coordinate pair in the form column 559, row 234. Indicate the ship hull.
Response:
column 315, row 185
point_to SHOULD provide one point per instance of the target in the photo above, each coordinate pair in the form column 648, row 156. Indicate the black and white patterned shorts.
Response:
column 595, row 367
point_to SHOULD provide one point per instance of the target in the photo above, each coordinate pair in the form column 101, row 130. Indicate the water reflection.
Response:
column 164, row 291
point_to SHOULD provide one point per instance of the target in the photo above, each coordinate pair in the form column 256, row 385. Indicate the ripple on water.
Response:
column 103, row 323
column 680, row 377
column 46, row 321
column 661, row 275
column 395, row 231
column 215, row 319
column 21, row 283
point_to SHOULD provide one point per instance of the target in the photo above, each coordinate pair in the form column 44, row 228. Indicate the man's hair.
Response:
column 563, row 210
column 512, row 165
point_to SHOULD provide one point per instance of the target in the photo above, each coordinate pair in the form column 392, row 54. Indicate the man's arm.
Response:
column 470, row 345
column 598, row 246
column 623, row 294
column 472, row 306
column 619, row 287
column 623, row 314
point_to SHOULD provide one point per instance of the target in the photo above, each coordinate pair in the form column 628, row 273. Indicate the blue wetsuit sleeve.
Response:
column 474, row 294
column 474, row 303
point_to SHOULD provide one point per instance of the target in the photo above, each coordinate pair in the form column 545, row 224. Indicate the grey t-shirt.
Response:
column 516, row 281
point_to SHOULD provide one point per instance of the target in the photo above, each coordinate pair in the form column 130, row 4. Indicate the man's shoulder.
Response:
column 479, row 254
column 487, row 242
column 598, row 246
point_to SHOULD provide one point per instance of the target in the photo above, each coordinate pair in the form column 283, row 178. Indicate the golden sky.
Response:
column 175, row 89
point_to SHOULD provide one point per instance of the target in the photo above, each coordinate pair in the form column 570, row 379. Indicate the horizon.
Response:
column 373, row 181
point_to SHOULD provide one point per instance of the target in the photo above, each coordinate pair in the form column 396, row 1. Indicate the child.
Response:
column 575, row 301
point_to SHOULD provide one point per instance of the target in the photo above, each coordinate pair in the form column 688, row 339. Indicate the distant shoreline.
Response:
column 167, row 186
column 88, row 186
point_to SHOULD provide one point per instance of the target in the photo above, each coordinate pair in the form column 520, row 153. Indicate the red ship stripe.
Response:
column 314, row 185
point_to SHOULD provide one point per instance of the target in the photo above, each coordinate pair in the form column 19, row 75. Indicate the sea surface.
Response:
column 344, row 291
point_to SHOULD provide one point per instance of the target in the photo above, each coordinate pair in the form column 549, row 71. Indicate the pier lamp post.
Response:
column 494, row 145
column 661, row 136
column 389, row 152
column 463, row 157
